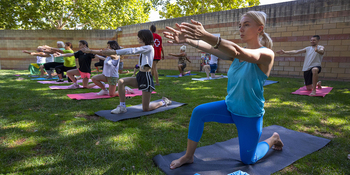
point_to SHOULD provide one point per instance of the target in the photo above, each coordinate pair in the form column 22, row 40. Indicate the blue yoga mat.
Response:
column 43, row 79
column 268, row 82
column 177, row 76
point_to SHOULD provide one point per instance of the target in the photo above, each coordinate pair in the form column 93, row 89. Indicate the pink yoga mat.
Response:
column 93, row 95
column 67, row 87
column 55, row 82
column 319, row 92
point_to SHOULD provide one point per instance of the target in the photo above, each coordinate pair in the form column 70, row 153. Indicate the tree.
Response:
column 182, row 8
column 72, row 14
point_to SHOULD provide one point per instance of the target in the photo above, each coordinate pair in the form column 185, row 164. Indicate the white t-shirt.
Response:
column 50, row 59
column 40, row 60
column 213, row 59
column 312, row 58
column 110, row 67
column 146, row 54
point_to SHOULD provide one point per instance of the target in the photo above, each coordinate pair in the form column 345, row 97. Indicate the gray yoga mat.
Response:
column 135, row 111
column 223, row 157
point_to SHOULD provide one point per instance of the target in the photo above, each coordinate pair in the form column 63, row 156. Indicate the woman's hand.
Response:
column 193, row 31
column 176, row 36
column 57, row 54
column 85, row 50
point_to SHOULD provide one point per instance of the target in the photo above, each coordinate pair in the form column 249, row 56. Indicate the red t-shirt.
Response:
column 157, row 46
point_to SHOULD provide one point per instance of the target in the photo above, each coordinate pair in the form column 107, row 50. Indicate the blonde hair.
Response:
column 183, row 48
column 260, row 18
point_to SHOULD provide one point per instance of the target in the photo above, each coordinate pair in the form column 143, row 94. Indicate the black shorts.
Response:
column 145, row 81
column 100, row 63
column 308, row 75
column 183, row 66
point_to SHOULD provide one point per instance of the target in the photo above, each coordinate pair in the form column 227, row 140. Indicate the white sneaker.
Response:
column 119, row 110
column 128, row 90
column 73, row 86
column 166, row 101
column 103, row 92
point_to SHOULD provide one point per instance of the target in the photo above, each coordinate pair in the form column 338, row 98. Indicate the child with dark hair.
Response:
column 84, row 65
column 143, row 79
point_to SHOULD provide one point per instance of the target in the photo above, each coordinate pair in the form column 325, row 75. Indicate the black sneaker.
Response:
column 60, row 80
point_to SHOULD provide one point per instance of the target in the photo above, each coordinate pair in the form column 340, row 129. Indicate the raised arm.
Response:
column 291, row 51
column 128, row 51
column 196, row 31
column 41, row 54
column 57, row 54
column 177, row 55
column 100, row 57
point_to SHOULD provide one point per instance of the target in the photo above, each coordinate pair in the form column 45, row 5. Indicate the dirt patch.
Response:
column 88, row 117
column 290, row 168
column 326, row 134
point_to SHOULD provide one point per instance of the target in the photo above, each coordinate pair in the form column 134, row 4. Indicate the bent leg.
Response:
column 71, row 74
column 314, row 80
column 206, row 68
column 97, row 80
column 129, row 81
column 209, row 112
column 146, row 99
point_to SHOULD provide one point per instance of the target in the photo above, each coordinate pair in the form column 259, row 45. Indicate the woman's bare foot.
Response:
column 313, row 92
column 181, row 161
column 319, row 85
column 277, row 142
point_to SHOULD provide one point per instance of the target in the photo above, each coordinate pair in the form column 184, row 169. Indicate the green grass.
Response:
column 42, row 131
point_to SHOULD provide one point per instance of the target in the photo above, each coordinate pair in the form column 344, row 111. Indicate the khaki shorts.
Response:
column 112, row 81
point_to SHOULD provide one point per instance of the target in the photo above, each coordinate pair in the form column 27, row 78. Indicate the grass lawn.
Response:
column 42, row 131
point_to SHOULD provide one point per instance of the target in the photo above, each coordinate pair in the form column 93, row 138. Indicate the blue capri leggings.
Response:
column 249, row 129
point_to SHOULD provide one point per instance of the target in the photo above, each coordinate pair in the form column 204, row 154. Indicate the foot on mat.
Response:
column 278, row 144
column 181, row 161
column 103, row 92
column 313, row 93
column 319, row 85
column 73, row 86
column 166, row 101
column 119, row 110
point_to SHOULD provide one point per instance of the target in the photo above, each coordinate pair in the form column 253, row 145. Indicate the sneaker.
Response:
column 119, row 110
column 73, row 86
column 166, row 101
column 60, row 80
column 103, row 92
column 180, row 75
column 128, row 90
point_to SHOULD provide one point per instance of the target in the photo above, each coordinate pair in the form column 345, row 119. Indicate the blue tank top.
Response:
column 245, row 93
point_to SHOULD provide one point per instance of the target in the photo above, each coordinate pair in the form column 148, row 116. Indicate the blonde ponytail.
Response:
column 260, row 18
column 266, row 41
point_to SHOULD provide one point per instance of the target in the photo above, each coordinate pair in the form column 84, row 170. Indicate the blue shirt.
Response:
column 245, row 93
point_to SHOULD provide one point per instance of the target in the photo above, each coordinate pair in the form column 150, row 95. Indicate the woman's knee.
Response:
column 120, row 81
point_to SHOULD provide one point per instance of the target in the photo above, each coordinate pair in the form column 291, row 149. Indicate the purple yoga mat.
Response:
column 93, row 95
column 67, row 87
column 55, row 82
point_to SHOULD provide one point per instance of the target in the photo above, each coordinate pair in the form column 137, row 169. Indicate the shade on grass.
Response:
column 44, row 132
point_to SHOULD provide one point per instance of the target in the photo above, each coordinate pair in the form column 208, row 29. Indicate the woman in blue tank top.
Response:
column 244, row 103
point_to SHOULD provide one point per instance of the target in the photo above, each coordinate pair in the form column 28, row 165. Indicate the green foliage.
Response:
column 182, row 8
column 72, row 14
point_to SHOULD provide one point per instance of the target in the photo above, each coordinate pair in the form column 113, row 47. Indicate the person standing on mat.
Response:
column 84, row 65
column 69, row 62
column 244, row 103
column 312, row 63
column 143, row 79
column 182, row 60
column 158, row 48
column 58, row 61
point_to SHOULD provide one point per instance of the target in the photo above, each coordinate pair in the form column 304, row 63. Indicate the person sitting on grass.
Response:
column 244, row 103
column 143, row 79
column 182, row 60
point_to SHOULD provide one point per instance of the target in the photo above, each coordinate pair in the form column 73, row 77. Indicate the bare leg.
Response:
column 314, row 80
column 123, row 72
column 215, row 76
column 42, row 71
column 71, row 74
column 180, row 68
column 319, row 85
column 129, row 81
column 85, row 82
column 146, row 105
column 97, row 81
column 97, row 69
column 155, row 71
column 112, row 90
column 206, row 68
column 274, row 141
column 188, row 157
